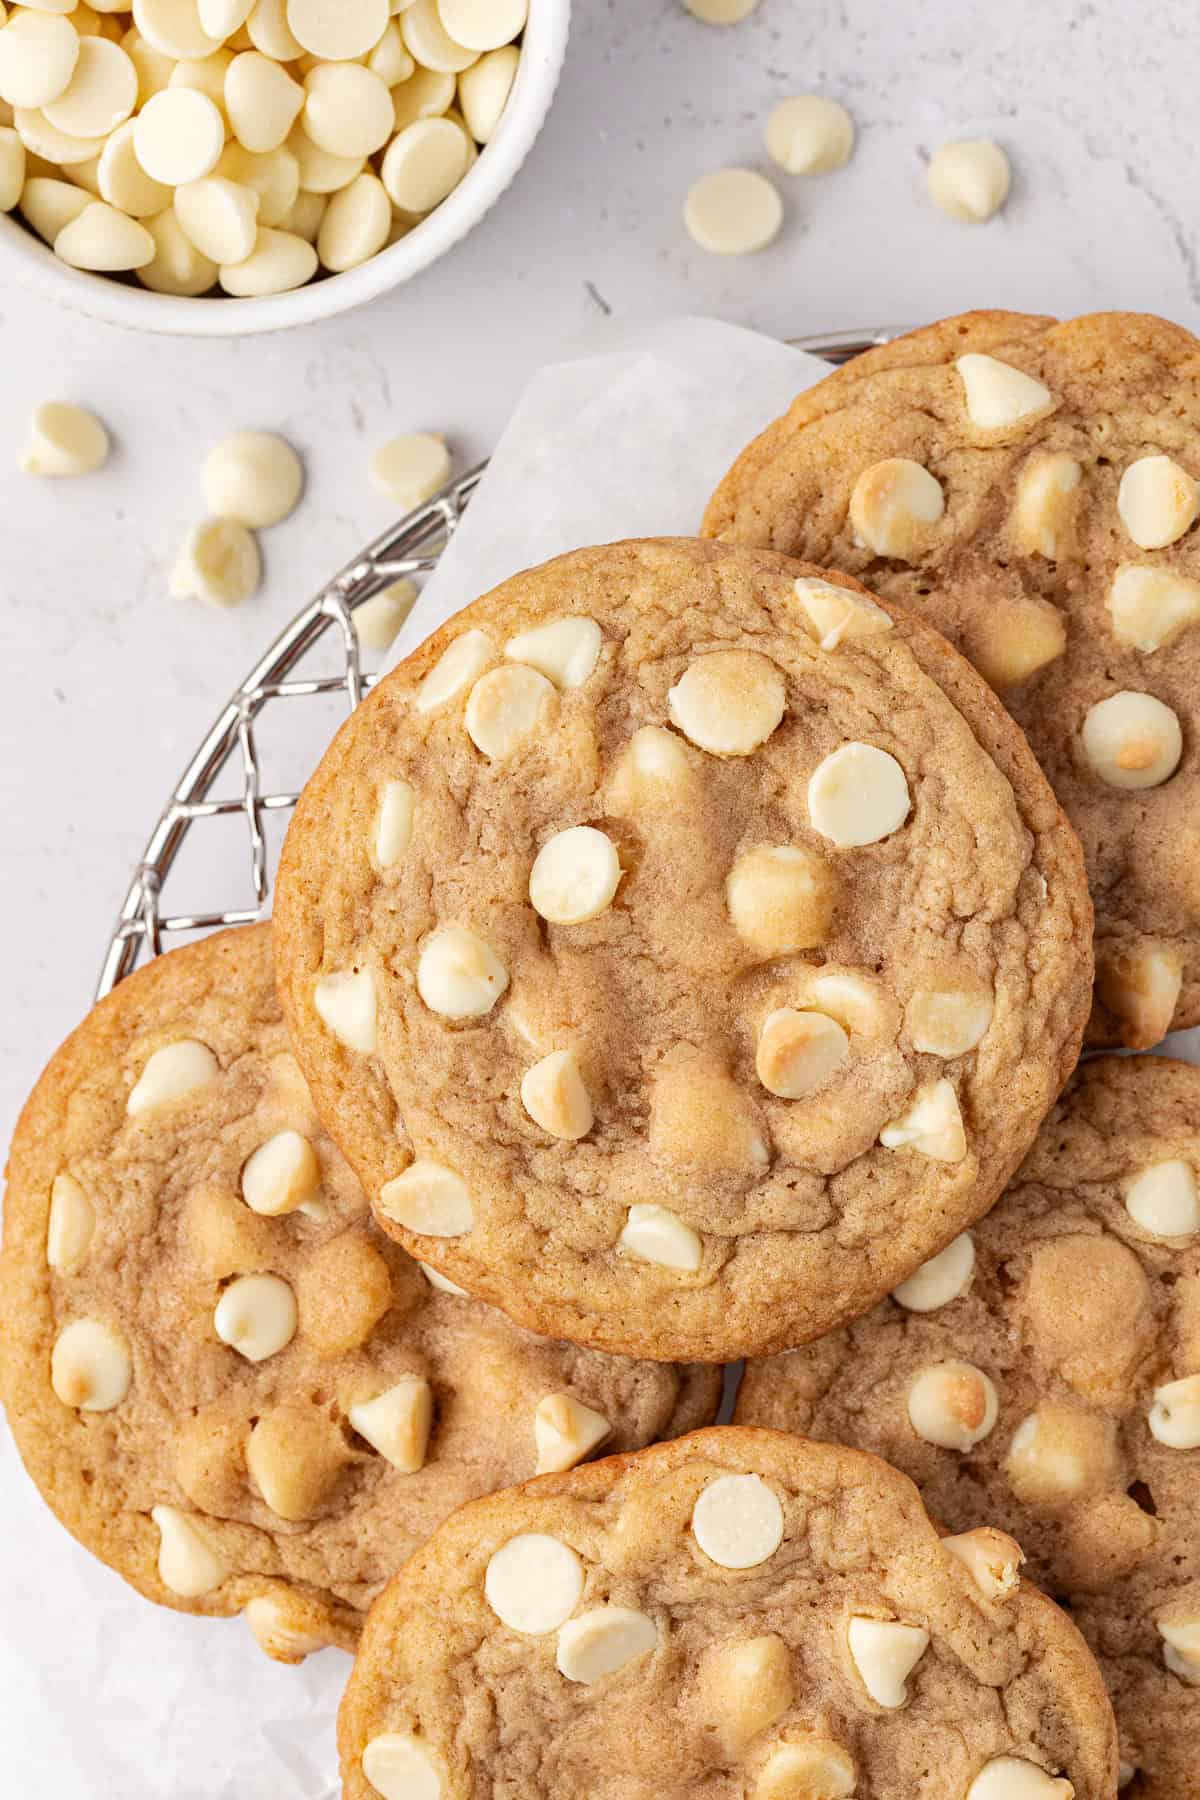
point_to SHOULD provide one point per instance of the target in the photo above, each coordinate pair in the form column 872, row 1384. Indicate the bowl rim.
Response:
column 35, row 266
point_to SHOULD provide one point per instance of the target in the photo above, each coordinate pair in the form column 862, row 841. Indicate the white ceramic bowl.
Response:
column 25, row 258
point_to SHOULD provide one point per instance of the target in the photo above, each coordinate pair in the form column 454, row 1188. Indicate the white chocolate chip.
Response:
column 837, row 614
column 429, row 42
column 355, row 225
column 565, row 651
column 811, row 1768
column 179, row 136
column 858, row 795
column 1132, row 740
column 43, row 139
column 734, row 212
column 942, row 1279
column 178, row 267
column 555, row 1096
column 654, row 1234
column 218, row 562
column 397, row 1423
column 1164, row 1200
column 1181, row 1649
column 1158, row 501
column 442, row 1283
column 885, row 1653
column 279, row 262
column 256, row 1316
column 653, row 774
column 378, row 620
column 1142, row 987
column 347, row 109
column 174, row 1073
column 1151, row 607
column 1057, row 1454
column 278, row 1631
column 810, row 135
column 894, row 506
column 860, row 1004
column 268, row 31
column 1012, row 1778
column 953, row 1405
column 1125, row 1773
column 993, row 1558
column 505, row 707
column 424, row 163
column 294, row 1459
column 1175, row 1414
column 274, row 176
column 429, row 1199
column 282, row 1175
column 747, row 1686
column 64, row 441
column 187, row 1563
column 738, row 1522
column 340, row 31
column 948, row 1021
column 124, row 183
column 104, row 240
column 534, row 1583
column 932, row 1125
column 600, row 1642
column 174, row 27
column 252, row 476
column 721, row 12
column 457, row 668
column 427, row 94
column 565, row 1432
column 483, row 91
column 346, row 1005
column 262, row 101
column 483, row 24
column 101, row 93
column 48, row 205
column 70, row 1226
column 460, row 976
column 38, row 54
column 389, row 59
column 781, row 898
column 969, row 180
column 399, row 1768
column 1047, row 493
column 729, row 702
column 220, row 217
column 998, row 396
column 798, row 1052
column 90, row 1366
column 394, row 826
column 575, row 876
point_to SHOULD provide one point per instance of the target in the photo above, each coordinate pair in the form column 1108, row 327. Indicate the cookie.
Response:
column 227, row 1384
column 1030, row 488
column 1043, row 1374
column 681, row 947
column 739, row 1614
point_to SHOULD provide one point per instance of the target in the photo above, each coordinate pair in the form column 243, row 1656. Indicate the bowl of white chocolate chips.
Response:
column 218, row 167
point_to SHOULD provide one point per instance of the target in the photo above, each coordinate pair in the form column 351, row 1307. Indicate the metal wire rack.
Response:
column 230, row 751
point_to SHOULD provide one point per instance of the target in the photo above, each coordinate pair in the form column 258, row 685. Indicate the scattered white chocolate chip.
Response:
column 534, row 1583
column 442, row 1283
column 346, row 1005
column 747, row 1686
column 256, row 1316
column 252, row 476
column 179, row 136
column 1059, row 1453
column 953, row 1405
column 187, row 1563
column 737, row 1521
column 279, row 262
column 810, row 1768
column 281, row 1175
column 1132, row 740
column 219, row 562
column 172, row 1074
column 104, row 240
column 1158, row 501
column 355, row 225
column 993, row 1558
column 459, row 975
column 555, row 1096
column 65, row 440
column 1142, row 987
column 858, row 795
column 733, row 212
column 720, row 12
column 565, row 1432
column 655, row 1234
column 932, row 1125
column 729, row 702
column 429, row 1199
column 71, row 1225
column 505, row 707
column 1164, row 1200
column 948, row 1021
column 378, row 620
column 424, row 163
column 1151, row 607
column 862, row 1005
column 1013, row 1778
column 483, row 91
column 1175, row 1415
column 600, row 1642
column 781, row 898
column 400, row 1768
column 997, row 396
column 575, row 876
column 38, row 54
column 969, row 180
column 279, row 1632
column 837, row 613
column 90, row 1366
column 457, row 668
column 942, row 1279
column 894, row 506
column 1047, row 492
column 394, row 825
column 565, row 651
column 1181, row 1649
column 885, row 1653
column 810, row 135
column 397, row 1423
column 294, row 1456
column 798, row 1052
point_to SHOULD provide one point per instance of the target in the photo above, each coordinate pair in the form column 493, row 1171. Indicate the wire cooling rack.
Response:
column 230, row 757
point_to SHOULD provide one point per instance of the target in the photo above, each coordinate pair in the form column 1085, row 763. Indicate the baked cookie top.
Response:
column 1043, row 1374
column 1030, row 487
column 739, row 1614
column 681, row 946
column 227, row 1384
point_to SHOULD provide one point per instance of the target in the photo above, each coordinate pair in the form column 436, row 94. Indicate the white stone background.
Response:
column 108, row 683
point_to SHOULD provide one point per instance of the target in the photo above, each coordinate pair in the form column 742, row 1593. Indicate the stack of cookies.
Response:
column 685, row 956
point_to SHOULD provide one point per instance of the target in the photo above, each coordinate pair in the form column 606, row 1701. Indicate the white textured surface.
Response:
column 108, row 683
